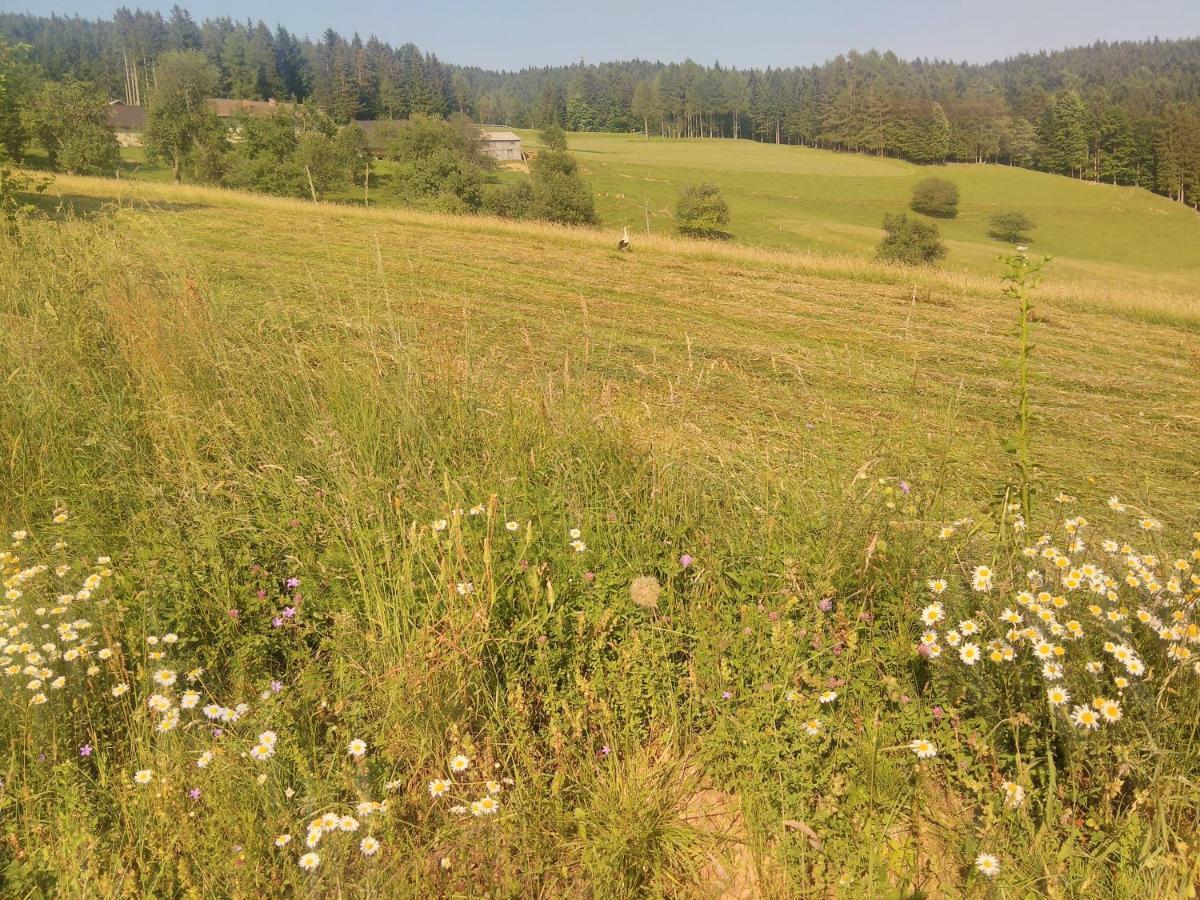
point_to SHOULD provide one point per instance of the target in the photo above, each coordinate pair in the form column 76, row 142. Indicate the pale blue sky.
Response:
column 498, row 34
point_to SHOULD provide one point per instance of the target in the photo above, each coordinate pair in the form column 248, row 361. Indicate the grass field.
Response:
column 798, row 197
column 646, row 538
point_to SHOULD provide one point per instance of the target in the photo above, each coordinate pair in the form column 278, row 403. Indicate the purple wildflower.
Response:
column 293, row 583
column 289, row 612
column 276, row 686
column 725, row 695
column 194, row 793
column 825, row 605
column 85, row 750
column 686, row 560
column 604, row 751
column 905, row 487
column 277, row 622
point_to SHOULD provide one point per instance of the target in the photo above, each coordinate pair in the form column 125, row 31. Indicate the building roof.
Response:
column 500, row 136
column 124, row 117
column 224, row 107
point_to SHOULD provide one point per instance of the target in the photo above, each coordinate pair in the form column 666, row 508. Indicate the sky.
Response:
column 509, row 35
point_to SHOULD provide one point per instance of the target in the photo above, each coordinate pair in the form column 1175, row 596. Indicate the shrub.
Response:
column 510, row 201
column 553, row 137
column 422, row 136
column 935, row 197
column 1009, row 227
column 443, row 181
column 701, row 211
column 910, row 241
column 558, row 162
column 68, row 119
column 563, row 198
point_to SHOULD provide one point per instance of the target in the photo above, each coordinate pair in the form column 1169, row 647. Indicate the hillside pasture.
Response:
column 646, row 539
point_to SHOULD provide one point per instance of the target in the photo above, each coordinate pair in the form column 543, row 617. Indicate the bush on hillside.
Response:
column 68, row 119
column 443, row 181
column 510, row 201
column 910, row 241
column 423, row 136
column 935, row 197
column 562, row 198
column 295, row 153
column 701, row 211
column 557, row 162
column 553, row 137
column 1011, row 227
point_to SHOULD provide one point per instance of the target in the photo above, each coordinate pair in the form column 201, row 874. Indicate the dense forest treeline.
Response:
column 1125, row 113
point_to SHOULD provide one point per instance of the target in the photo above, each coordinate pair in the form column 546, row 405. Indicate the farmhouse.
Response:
column 127, row 122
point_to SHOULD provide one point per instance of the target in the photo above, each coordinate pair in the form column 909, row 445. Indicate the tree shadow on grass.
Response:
column 81, row 206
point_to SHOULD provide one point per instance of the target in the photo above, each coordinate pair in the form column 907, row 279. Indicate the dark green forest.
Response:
column 1124, row 113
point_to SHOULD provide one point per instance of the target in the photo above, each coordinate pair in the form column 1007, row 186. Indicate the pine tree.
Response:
column 1064, row 136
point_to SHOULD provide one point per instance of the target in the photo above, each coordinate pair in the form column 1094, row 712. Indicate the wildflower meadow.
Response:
column 321, row 586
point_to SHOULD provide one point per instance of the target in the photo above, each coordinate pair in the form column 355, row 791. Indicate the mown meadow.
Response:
column 375, row 553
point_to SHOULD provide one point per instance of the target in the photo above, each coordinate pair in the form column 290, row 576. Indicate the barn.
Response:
column 502, row 145
column 127, row 122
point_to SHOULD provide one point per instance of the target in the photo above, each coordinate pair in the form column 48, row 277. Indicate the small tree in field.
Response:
column 910, row 241
column 1010, row 227
column 553, row 137
column 701, row 211
column 68, row 119
column 935, row 197
column 178, row 116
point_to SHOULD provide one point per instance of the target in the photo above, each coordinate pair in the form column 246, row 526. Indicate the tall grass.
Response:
column 218, row 429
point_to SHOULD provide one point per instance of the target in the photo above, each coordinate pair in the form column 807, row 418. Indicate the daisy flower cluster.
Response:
column 48, row 643
column 1093, row 619
column 330, row 825
column 457, row 786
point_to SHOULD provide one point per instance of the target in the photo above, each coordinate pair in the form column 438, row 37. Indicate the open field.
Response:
column 801, row 198
column 225, row 392
column 797, row 198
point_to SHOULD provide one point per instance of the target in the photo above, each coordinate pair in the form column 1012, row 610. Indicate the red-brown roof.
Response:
column 225, row 107
column 124, row 117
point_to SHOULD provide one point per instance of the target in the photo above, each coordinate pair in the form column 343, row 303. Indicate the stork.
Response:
column 624, row 244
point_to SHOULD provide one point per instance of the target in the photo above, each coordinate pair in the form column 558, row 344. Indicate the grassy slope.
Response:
column 235, row 379
column 743, row 348
column 798, row 197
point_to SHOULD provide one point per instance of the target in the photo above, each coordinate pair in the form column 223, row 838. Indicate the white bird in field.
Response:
column 624, row 244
